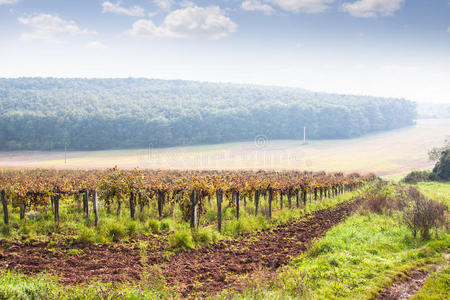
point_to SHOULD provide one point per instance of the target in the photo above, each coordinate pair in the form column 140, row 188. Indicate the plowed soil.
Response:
column 194, row 273
column 209, row 270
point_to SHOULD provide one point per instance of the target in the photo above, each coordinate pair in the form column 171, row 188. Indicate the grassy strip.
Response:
column 436, row 287
column 23, row 287
column 439, row 191
column 355, row 260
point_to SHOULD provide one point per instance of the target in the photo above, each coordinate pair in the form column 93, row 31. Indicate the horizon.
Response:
column 225, row 83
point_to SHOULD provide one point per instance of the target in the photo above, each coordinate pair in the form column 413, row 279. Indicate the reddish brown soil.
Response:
column 106, row 262
column 212, row 269
column 195, row 273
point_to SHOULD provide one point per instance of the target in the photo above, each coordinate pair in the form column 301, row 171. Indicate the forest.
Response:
column 94, row 114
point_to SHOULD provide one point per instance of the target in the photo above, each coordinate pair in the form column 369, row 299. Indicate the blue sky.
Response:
column 397, row 48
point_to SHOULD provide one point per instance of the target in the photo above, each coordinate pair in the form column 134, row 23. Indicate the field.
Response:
column 240, row 234
column 334, row 247
column 390, row 153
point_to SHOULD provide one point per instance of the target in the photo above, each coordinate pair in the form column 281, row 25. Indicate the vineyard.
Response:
column 45, row 189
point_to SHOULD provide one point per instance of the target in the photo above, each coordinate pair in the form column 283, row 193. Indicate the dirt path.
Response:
column 209, row 270
column 195, row 273
column 408, row 287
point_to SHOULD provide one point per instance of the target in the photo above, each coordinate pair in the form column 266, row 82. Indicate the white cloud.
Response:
column 255, row 5
column 165, row 5
column 190, row 22
column 372, row 8
column 96, row 45
column 6, row 2
column 134, row 11
column 306, row 6
column 47, row 27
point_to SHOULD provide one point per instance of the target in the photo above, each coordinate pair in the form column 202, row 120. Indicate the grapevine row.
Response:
column 28, row 189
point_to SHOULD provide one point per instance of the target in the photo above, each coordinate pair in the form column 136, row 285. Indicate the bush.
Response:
column 181, row 240
column 417, row 176
column 424, row 214
column 384, row 198
column 153, row 226
column 5, row 230
column 132, row 228
column 205, row 236
column 166, row 225
column 116, row 232
column 87, row 235
column 442, row 167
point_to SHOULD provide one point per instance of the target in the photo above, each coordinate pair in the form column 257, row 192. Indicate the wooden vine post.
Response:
column 270, row 202
column 5, row 207
column 219, row 197
column 22, row 211
column 281, row 200
column 160, row 203
column 237, row 204
column 194, row 202
column 132, row 205
column 297, row 196
column 56, row 206
column 289, row 200
column 86, row 203
column 95, row 207
column 141, row 206
column 77, row 198
column 256, row 201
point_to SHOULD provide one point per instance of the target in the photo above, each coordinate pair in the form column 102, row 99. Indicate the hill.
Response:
column 94, row 114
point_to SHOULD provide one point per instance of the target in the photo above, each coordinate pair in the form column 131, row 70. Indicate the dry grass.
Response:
column 391, row 154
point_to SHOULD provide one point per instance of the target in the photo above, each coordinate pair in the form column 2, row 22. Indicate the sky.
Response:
column 391, row 48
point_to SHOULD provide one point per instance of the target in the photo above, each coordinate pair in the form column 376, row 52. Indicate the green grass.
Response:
column 22, row 287
column 355, row 260
column 436, row 190
column 436, row 287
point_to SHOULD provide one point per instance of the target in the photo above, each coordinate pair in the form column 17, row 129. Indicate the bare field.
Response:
column 391, row 153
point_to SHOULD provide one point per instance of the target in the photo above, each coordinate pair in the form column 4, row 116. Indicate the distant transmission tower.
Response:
column 304, row 134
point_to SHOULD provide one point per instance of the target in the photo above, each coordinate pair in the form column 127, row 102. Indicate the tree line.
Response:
column 93, row 114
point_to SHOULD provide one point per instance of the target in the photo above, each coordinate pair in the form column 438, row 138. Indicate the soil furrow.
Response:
column 195, row 273
column 209, row 270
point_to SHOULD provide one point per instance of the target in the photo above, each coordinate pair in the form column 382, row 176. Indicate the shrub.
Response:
column 132, row 228
column 181, row 240
column 86, row 235
column 5, row 230
column 166, row 225
column 424, row 214
column 384, row 198
column 204, row 236
column 116, row 232
column 153, row 226
column 417, row 176
column 442, row 167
